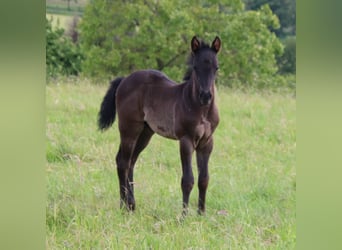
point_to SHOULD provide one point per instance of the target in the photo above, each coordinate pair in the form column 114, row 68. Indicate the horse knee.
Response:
column 187, row 184
column 203, row 183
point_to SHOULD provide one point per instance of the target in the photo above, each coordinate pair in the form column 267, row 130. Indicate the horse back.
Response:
column 146, row 95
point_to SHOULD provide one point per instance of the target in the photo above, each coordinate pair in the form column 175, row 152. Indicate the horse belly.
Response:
column 161, row 122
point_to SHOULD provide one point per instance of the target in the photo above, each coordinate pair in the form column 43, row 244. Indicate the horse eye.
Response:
column 217, row 68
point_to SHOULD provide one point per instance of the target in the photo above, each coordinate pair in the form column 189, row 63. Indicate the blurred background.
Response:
column 104, row 39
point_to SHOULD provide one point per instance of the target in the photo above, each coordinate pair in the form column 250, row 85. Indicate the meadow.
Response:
column 251, row 197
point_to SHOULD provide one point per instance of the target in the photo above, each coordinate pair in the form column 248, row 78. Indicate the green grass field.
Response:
column 251, row 195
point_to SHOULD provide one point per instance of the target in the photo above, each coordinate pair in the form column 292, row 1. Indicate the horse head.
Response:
column 204, row 68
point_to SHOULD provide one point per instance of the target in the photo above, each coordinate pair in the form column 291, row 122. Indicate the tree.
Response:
column 284, row 9
column 122, row 36
column 287, row 61
column 62, row 55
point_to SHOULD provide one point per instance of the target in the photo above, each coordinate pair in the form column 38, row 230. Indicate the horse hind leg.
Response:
column 133, row 141
column 122, row 162
column 142, row 142
column 121, row 170
column 129, row 135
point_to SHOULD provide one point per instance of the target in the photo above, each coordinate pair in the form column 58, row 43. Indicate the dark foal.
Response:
column 148, row 102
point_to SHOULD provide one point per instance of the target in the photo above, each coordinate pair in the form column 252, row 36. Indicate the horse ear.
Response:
column 216, row 45
column 195, row 44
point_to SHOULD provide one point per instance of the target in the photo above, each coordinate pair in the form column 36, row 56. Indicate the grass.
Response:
column 251, row 195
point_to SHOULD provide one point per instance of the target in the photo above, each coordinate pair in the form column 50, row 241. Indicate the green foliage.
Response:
column 251, row 199
column 119, row 37
column 249, row 56
column 284, row 9
column 62, row 55
column 287, row 61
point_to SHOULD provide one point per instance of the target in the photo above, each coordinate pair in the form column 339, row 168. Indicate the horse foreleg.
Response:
column 202, row 156
column 186, row 150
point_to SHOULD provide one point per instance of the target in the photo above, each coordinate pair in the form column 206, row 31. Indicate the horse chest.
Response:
column 202, row 131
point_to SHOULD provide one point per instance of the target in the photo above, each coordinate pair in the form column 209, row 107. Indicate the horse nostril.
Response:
column 205, row 97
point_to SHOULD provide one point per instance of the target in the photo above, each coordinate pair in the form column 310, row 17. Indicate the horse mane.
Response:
column 189, row 62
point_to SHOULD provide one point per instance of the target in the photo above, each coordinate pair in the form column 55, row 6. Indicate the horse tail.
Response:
column 106, row 116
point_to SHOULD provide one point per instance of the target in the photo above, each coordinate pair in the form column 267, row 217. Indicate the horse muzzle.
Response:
column 205, row 97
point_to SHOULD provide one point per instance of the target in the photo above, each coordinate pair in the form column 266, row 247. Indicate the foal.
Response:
column 148, row 102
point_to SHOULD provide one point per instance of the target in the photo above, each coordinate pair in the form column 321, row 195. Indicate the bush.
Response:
column 287, row 61
column 63, row 57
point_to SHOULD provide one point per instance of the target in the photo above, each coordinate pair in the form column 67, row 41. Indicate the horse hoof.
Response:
column 201, row 212
column 131, row 207
column 128, row 206
column 185, row 212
